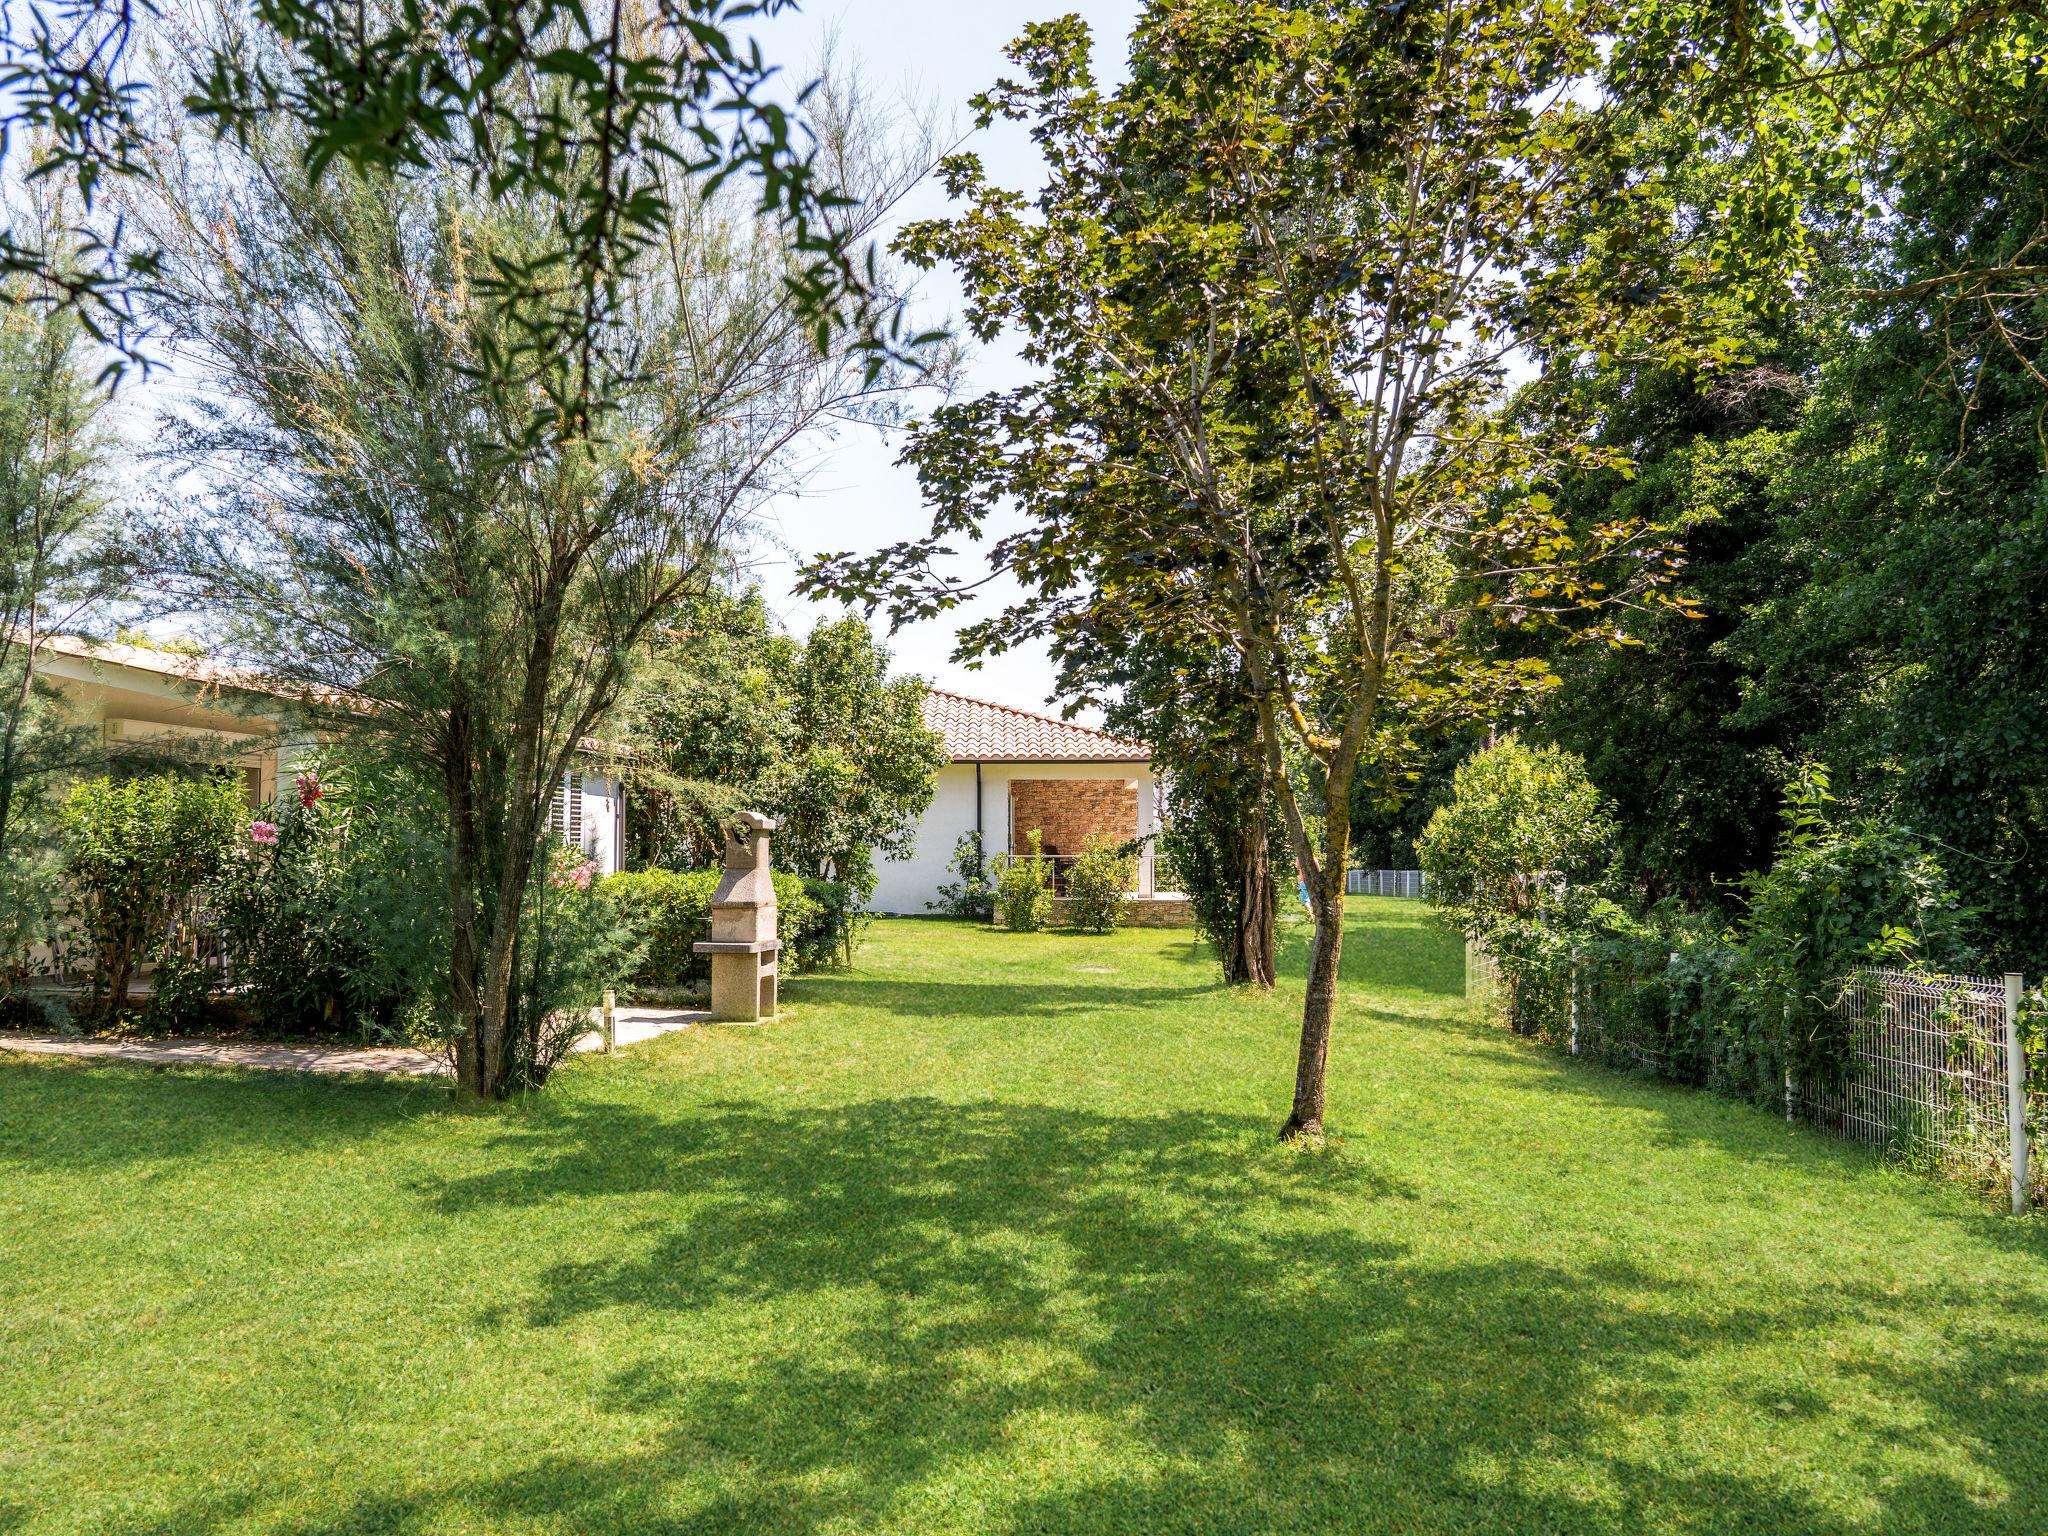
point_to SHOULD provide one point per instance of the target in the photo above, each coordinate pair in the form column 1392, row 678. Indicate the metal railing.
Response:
column 1386, row 882
column 1144, row 885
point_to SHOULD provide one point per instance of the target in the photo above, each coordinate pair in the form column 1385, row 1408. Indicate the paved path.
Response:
column 394, row 1061
column 634, row 1026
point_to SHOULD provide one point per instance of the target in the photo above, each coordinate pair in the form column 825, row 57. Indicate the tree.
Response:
column 1901, row 636
column 815, row 732
column 1860, row 510
column 861, row 765
column 1666, row 730
column 707, row 720
column 431, row 577
column 593, row 107
column 1521, row 822
column 62, row 558
column 1272, row 287
column 1191, row 701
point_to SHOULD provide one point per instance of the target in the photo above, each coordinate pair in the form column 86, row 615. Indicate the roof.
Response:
column 176, row 664
column 205, row 674
column 977, row 731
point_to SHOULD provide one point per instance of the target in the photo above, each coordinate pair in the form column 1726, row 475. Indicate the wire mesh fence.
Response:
column 1385, row 882
column 1933, row 1070
column 1929, row 1075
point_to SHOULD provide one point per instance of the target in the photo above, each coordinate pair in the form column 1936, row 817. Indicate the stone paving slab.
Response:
column 634, row 1025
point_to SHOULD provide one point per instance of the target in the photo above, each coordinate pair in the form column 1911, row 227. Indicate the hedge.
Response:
column 670, row 911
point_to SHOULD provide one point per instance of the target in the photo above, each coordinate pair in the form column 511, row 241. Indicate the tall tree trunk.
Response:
column 1318, row 1011
column 1319, row 1007
column 465, row 995
column 1251, row 952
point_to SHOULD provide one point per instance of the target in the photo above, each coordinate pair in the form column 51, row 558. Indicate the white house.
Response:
column 136, row 696
column 1012, row 771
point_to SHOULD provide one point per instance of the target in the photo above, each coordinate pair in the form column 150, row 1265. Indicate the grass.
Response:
column 993, row 1236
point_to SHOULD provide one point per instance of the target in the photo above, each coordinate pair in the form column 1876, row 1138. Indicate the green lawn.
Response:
column 992, row 1236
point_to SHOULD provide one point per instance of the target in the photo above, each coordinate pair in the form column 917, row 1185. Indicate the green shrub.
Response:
column 829, row 934
column 1836, row 899
column 330, row 928
column 971, row 892
column 1505, row 861
column 137, row 854
column 180, row 993
column 1097, row 883
column 669, row 911
column 1024, row 889
column 575, row 943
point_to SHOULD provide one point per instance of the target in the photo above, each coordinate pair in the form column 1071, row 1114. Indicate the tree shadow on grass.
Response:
column 1019, row 1318
column 57, row 1112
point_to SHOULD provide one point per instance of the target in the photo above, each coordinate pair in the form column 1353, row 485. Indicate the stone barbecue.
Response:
column 743, row 947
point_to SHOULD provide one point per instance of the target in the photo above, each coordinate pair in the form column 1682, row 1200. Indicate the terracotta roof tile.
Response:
column 976, row 730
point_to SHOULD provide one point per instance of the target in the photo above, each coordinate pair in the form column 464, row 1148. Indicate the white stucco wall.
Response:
column 910, row 885
column 602, row 820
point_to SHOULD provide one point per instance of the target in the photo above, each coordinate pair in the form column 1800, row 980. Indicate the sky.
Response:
column 941, row 52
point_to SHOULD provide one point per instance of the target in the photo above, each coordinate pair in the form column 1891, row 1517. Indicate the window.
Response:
column 565, row 812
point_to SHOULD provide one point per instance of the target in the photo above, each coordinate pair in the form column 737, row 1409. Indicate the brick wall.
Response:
column 1070, row 811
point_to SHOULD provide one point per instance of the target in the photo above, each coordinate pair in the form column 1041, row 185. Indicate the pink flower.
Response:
column 578, row 875
column 264, row 832
column 310, row 788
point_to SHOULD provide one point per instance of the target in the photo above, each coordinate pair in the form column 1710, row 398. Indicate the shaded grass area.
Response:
column 992, row 1236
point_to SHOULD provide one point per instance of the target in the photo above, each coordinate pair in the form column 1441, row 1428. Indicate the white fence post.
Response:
column 1572, row 981
column 2016, row 1091
column 1788, row 1063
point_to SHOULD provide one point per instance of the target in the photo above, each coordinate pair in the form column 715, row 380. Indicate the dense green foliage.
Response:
column 815, row 732
column 1098, row 882
column 1024, row 886
column 668, row 911
column 137, row 854
column 1518, row 860
column 986, row 1238
column 1868, row 544
column 329, row 928
column 62, row 554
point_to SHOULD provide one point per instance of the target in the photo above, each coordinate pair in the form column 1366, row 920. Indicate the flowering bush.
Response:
column 329, row 927
column 569, row 869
